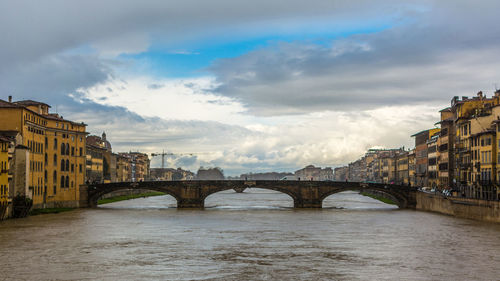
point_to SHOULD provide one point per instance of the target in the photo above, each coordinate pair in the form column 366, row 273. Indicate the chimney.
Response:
column 10, row 98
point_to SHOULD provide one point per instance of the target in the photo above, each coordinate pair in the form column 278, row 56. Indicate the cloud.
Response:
column 325, row 139
column 435, row 55
column 311, row 100
column 172, row 99
column 50, row 79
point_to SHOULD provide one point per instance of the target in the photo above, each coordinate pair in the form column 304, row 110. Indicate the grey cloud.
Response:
column 47, row 28
column 444, row 52
column 51, row 79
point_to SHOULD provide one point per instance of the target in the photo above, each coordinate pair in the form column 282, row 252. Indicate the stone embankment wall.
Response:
column 459, row 207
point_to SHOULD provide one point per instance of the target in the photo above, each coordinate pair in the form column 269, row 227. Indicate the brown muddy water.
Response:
column 254, row 235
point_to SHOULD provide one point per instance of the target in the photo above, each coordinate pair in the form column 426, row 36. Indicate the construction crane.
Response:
column 163, row 154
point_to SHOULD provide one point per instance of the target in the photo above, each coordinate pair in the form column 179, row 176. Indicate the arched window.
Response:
column 67, row 181
column 62, row 181
column 67, row 149
column 67, row 165
column 63, row 164
column 46, row 159
column 55, row 143
column 63, row 148
column 45, row 176
column 55, row 161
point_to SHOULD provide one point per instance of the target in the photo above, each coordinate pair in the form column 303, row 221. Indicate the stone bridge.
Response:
column 305, row 194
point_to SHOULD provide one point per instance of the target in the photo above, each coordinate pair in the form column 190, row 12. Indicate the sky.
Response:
column 250, row 86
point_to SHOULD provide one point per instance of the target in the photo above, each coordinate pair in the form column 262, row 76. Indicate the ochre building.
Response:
column 57, row 151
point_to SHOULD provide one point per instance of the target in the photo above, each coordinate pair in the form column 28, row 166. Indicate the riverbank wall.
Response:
column 459, row 207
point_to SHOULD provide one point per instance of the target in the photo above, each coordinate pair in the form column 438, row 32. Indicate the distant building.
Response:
column 170, row 174
column 100, row 164
column 123, row 167
column 341, row 173
column 139, row 165
column 314, row 173
column 421, row 156
column 264, row 176
column 210, row 174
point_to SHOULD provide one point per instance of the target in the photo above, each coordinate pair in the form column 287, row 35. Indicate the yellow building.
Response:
column 432, row 159
column 123, row 168
column 101, row 166
column 94, row 164
column 139, row 165
column 57, row 151
column 471, row 116
column 446, row 158
column 403, row 173
column 411, row 167
column 4, row 176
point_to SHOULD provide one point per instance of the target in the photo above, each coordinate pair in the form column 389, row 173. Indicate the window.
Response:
column 67, row 149
column 55, row 143
column 67, row 181
column 62, row 165
column 80, row 166
column 72, row 167
column 63, row 149
column 81, row 150
column 67, row 165
column 62, row 181
column 72, row 151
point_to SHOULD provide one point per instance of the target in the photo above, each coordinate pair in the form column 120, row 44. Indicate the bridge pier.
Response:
column 307, row 204
column 191, row 203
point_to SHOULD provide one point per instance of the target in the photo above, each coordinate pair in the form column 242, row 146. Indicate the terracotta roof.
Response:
column 6, row 104
column 30, row 102
column 25, row 103
column 96, row 146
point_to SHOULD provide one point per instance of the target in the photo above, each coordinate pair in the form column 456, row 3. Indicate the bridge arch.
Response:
column 268, row 187
column 96, row 193
column 389, row 193
column 290, row 196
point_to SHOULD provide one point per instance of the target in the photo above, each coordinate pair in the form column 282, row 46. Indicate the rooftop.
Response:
column 30, row 102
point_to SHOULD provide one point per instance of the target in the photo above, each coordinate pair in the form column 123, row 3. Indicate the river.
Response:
column 254, row 235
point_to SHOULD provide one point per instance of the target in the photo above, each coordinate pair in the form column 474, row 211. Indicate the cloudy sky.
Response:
column 250, row 85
